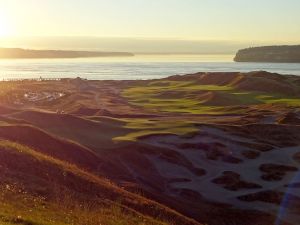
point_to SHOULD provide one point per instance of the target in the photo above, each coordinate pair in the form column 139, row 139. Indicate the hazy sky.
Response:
column 247, row 21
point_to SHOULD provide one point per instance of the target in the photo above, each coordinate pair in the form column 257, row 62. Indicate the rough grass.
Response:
column 19, row 207
column 64, row 166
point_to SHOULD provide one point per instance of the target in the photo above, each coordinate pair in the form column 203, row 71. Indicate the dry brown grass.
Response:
column 72, row 194
column 19, row 207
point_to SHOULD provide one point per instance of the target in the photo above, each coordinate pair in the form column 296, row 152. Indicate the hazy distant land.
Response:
column 278, row 54
column 18, row 53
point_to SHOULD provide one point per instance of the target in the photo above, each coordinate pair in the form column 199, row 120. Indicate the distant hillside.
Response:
column 278, row 54
column 15, row 53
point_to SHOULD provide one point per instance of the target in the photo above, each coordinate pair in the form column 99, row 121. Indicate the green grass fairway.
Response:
column 192, row 98
column 145, row 127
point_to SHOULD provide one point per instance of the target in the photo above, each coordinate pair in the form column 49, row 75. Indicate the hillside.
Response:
column 44, row 184
column 204, row 148
column 16, row 53
column 277, row 54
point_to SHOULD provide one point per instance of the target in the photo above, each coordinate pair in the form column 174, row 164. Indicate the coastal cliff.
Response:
column 276, row 54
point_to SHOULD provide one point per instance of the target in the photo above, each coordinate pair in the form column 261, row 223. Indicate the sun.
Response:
column 5, row 26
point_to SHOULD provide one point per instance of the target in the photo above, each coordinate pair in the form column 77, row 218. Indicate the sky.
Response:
column 231, row 22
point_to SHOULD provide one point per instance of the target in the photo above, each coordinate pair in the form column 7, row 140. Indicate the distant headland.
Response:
column 276, row 54
column 18, row 53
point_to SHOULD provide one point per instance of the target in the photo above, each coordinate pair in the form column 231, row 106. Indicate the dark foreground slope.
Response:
column 278, row 54
column 220, row 148
column 39, row 189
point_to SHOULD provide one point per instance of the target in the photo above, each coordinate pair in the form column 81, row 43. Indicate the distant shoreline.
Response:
column 18, row 53
column 270, row 54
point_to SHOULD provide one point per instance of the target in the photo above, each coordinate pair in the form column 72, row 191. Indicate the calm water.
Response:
column 138, row 67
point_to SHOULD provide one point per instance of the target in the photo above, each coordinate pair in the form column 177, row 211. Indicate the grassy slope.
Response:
column 89, row 133
column 39, row 189
column 211, row 94
column 185, row 97
column 18, row 207
column 144, row 127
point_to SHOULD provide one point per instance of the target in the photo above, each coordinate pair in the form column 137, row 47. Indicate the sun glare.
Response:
column 5, row 27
